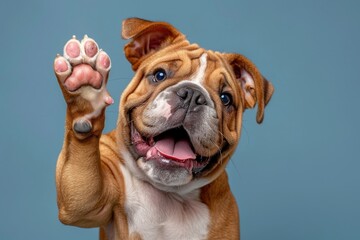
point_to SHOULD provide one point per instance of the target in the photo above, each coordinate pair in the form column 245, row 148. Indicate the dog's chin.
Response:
column 165, row 172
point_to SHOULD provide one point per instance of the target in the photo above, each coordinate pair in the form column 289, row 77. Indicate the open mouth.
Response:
column 171, row 148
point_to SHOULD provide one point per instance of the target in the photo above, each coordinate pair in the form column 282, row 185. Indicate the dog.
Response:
column 160, row 174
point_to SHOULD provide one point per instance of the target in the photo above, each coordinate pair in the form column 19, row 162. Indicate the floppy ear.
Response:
column 257, row 89
column 146, row 38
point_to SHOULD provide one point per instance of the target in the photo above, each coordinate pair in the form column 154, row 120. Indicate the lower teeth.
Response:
column 165, row 160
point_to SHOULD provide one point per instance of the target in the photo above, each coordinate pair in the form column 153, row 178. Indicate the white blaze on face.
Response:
column 198, row 77
column 159, row 107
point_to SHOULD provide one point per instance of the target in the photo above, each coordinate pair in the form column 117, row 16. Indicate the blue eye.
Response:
column 159, row 75
column 226, row 99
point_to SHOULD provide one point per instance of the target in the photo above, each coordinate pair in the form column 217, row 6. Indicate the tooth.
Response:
column 148, row 154
column 165, row 160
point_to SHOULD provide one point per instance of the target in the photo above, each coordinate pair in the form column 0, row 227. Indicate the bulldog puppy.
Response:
column 161, row 173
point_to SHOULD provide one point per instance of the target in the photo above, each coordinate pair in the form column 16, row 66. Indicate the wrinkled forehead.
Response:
column 194, row 64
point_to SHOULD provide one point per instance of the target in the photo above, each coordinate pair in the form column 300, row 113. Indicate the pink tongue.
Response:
column 178, row 150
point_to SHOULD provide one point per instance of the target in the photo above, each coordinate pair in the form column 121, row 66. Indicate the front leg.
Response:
column 84, row 195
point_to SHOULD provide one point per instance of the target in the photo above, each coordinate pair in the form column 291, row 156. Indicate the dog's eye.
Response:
column 159, row 75
column 226, row 99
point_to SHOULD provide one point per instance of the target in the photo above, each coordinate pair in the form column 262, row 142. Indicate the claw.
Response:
column 86, row 36
column 73, row 37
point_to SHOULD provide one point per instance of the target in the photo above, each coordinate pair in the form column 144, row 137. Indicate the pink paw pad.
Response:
column 72, row 48
column 82, row 75
column 60, row 65
column 103, row 60
column 90, row 48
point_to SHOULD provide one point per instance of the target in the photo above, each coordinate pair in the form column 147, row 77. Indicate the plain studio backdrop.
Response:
column 296, row 176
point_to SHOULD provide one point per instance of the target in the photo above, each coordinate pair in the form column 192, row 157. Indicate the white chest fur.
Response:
column 155, row 214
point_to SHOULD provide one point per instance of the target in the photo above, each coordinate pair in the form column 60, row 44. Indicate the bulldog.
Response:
column 160, row 174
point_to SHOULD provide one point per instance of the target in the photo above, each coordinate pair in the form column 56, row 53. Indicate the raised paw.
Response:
column 82, row 73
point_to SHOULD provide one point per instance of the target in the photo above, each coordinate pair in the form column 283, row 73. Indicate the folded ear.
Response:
column 146, row 38
column 257, row 89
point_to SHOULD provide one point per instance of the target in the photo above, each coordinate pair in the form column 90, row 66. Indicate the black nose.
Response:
column 191, row 98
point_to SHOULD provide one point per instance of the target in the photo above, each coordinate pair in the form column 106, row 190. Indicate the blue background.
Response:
column 296, row 176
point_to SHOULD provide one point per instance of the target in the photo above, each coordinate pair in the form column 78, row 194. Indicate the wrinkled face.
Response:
column 180, row 117
column 183, row 116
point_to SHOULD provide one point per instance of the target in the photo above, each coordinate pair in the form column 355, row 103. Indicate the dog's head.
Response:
column 180, row 117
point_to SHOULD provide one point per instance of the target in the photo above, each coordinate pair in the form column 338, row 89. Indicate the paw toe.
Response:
column 103, row 61
column 61, row 65
column 90, row 48
column 62, row 68
column 103, row 64
column 72, row 51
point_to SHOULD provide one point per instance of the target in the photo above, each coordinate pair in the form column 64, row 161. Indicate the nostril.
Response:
column 200, row 100
column 183, row 93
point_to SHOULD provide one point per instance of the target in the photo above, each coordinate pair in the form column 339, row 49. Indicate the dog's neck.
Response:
column 154, row 213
